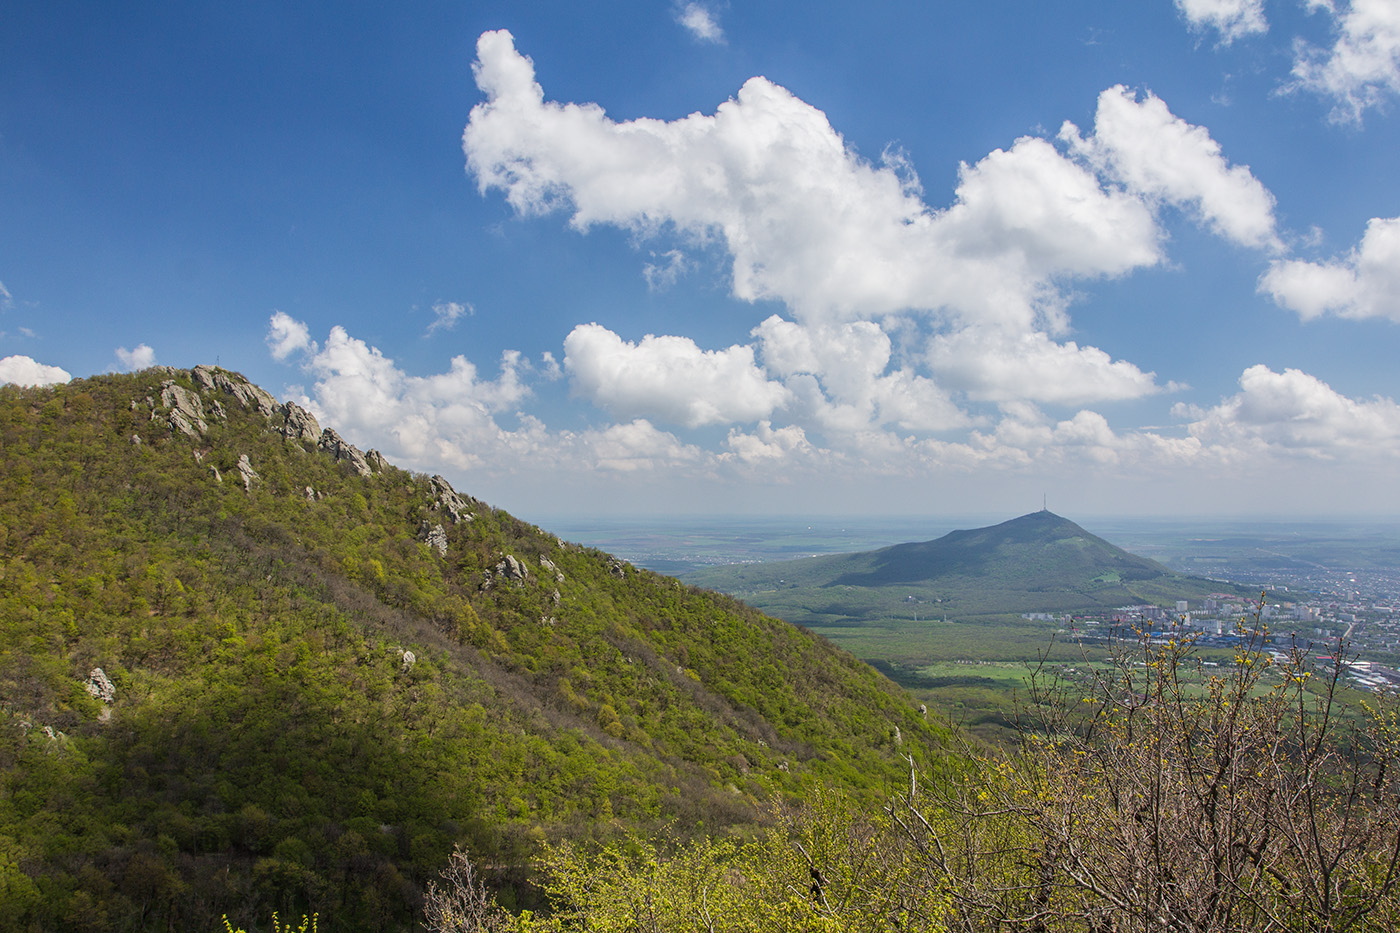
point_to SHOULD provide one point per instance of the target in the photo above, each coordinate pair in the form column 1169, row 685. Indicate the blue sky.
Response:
column 818, row 258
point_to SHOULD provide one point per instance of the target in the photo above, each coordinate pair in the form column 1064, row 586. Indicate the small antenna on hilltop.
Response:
column 1043, row 500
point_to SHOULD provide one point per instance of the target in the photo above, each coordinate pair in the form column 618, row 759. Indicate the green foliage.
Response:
column 270, row 748
column 1138, row 802
column 308, row 925
column 822, row 867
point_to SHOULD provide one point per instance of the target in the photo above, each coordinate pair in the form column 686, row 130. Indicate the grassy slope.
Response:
column 269, row 748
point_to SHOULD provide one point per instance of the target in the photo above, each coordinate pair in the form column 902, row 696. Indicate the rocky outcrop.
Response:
column 407, row 660
column 100, row 686
column 247, row 473
column 186, row 410
column 376, row 461
column 449, row 501
column 300, row 424
column 247, row 394
column 434, row 535
column 549, row 567
column 342, row 451
column 617, row 568
column 508, row 570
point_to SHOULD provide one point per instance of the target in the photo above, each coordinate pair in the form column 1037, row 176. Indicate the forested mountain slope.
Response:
column 246, row 667
column 1037, row 562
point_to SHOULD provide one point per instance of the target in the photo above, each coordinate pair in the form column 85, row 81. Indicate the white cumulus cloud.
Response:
column 851, row 248
column 700, row 22
column 286, row 336
column 635, row 446
column 1158, row 155
column 142, row 357
column 24, row 371
column 840, row 378
column 998, row 366
column 1295, row 411
column 767, row 444
column 446, row 314
column 1362, row 68
column 900, row 318
column 806, row 221
column 1364, row 284
column 668, row 378
column 1026, row 436
column 445, row 418
column 1233, row 19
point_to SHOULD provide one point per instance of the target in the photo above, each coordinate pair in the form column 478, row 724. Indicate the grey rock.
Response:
column 512, row 571
column 376, row 461
column 300, row 424
column 310, row 494
column 204, row 375
column 216, row 410
column 136, row 439
column 247, row 473
column 408, row 659
column 247, row 394
column 186, row 410
column 434, row 535
column 342, row 451
column 617, row 568
column 100, row 686
column 448, row 500
column 549, row 567
column 218, row 477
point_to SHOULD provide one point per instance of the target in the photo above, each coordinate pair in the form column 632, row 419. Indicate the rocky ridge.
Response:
column 188, row 411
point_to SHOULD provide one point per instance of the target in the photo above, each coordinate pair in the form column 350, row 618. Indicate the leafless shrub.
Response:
column 461, row 903
column 1162, row 795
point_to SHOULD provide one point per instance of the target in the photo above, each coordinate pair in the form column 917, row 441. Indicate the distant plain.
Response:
column 971, row 669
column 678, row 545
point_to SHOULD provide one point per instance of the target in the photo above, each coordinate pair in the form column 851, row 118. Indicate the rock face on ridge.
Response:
column 342, row 451
column 448, row 500
column 301, row 425
column 188, row 412
column 186, row 409
column 247, row 394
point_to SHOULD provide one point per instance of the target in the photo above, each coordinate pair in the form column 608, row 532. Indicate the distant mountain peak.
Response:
column 1039, row 561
